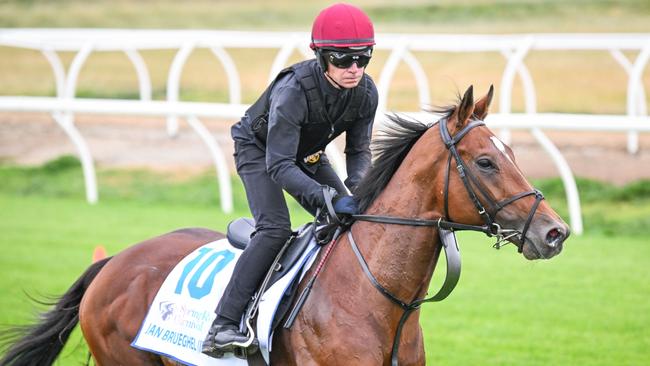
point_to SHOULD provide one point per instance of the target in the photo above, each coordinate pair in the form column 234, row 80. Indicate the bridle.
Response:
column 491, row 228
column 470, row 180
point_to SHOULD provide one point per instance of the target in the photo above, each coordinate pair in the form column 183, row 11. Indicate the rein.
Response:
column 446, row 228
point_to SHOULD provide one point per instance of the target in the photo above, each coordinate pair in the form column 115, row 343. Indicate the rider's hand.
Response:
column 345, row 205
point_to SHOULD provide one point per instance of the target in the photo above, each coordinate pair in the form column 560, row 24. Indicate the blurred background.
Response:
column 588, row 306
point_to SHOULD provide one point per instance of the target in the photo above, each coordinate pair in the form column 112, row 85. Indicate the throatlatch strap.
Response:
column 463, row 171
column 446, row 191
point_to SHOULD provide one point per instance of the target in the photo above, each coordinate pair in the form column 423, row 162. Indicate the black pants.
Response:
column 272, row 226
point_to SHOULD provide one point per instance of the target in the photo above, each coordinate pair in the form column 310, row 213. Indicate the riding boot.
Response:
column 249, row 271
column 223, row 337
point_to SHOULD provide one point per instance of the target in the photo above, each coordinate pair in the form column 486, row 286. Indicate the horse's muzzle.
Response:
column 548, row 243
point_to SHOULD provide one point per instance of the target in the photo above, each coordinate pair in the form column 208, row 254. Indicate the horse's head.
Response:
column 486, row 187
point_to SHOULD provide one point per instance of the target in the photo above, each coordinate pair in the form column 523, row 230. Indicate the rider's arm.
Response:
column 287, row 111
column 357, row 144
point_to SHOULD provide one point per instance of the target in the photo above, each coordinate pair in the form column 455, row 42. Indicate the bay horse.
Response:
column 455, row 171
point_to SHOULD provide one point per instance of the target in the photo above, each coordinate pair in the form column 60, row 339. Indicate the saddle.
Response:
column 239, row 233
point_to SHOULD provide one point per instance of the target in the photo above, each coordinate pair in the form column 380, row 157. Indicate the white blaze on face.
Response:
column 501, row 147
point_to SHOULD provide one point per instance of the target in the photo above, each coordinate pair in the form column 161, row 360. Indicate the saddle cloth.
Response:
column 183, row 310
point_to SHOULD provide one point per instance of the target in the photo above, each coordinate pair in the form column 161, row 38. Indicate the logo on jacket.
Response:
column 313, row 158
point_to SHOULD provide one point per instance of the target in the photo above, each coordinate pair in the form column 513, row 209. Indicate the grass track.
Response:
column 589, row 306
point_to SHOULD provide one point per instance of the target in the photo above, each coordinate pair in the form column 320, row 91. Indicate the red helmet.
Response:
column 342, row 25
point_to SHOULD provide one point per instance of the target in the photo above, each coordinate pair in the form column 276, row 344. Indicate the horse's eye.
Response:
column 485, row 163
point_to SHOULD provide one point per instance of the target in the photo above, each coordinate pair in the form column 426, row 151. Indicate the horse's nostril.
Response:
column 554, row 237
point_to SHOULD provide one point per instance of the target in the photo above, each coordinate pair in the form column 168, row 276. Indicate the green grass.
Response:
column 606, row 209
column 589, row 306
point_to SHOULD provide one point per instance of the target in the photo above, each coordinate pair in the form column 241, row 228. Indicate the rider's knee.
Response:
column 274, row 233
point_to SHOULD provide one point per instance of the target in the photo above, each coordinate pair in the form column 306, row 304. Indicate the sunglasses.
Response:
column 343, row 60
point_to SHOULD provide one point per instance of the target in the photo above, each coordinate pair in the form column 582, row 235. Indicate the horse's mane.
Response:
column 389, row 150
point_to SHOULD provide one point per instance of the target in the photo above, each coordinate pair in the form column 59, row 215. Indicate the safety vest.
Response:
column 320, row 128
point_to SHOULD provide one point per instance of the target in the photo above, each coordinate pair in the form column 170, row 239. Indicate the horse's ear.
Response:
column 465, row 108
column 483, row 105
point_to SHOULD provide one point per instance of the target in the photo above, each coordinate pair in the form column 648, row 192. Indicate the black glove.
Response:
column 346, row 205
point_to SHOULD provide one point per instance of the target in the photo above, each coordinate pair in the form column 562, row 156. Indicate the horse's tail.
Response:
column 41, row 343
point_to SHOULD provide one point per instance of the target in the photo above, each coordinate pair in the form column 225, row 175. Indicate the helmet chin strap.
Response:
column 327, row 75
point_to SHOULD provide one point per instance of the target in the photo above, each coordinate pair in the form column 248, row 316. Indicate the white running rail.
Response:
column 514, row 48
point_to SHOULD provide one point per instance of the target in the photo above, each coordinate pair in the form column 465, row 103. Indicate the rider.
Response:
column 280, row 143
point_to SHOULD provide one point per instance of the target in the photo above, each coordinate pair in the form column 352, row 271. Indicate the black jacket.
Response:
column 298, row 115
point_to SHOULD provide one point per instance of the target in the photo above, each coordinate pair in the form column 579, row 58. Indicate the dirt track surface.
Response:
column 117, row 142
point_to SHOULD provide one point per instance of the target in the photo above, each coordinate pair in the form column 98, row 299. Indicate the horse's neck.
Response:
column 403, row 257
